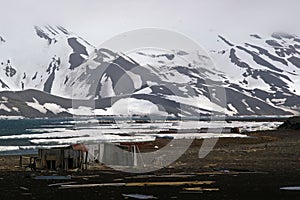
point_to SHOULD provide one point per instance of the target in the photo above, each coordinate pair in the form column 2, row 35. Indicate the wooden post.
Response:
column 86, row 159
column 21, row 161
column 134, row 156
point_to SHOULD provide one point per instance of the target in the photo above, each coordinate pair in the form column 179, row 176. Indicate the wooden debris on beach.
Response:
column 138, row 184
column 52, row 177
column 229, row 172
column 162, row 176
column 169, row 183
column 201, row 189
column 86, row 176
column 60, row 184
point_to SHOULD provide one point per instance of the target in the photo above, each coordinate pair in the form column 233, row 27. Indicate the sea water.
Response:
column 25, row 136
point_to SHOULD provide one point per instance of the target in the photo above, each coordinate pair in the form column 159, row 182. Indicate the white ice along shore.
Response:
column 123, row 132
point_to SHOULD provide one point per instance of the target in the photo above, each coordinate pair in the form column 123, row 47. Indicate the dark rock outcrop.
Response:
column 292, row 123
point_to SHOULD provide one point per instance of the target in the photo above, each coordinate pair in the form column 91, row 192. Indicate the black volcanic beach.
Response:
column 238, row 168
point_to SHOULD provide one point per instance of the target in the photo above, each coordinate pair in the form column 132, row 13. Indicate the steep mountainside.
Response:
column 44, row 61
column 257, row 76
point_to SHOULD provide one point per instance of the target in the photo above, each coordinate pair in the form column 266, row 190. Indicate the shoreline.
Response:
column 254, row 167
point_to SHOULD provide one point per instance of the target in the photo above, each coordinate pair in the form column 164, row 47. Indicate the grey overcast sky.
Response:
column 99, row 20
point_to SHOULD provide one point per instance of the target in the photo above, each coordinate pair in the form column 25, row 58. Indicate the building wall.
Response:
column 59, row 159
column 110, row 154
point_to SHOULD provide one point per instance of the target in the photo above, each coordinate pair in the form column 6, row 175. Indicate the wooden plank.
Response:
column 60, row 184
column 138, row 184
column 201, row 189
column 52, row 177
column 170, row 183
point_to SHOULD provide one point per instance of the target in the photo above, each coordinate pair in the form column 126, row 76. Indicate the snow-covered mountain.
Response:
column 263, row 67
column 256, row 76
column 42, row 60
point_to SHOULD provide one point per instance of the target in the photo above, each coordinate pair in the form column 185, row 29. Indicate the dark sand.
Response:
column 249, row 168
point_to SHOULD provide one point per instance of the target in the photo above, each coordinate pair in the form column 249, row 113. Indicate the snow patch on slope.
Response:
column 106, row 87
column 54, row 108
column 37, row 106
column 4, row 107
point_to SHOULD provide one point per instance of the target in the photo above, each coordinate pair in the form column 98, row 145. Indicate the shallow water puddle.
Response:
column 139, row 196
column 293, row 188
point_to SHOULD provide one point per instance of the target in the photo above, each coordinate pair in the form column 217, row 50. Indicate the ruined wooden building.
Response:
column 62, row 158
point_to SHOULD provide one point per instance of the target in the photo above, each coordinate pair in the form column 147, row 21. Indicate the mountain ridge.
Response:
column 257, row 77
